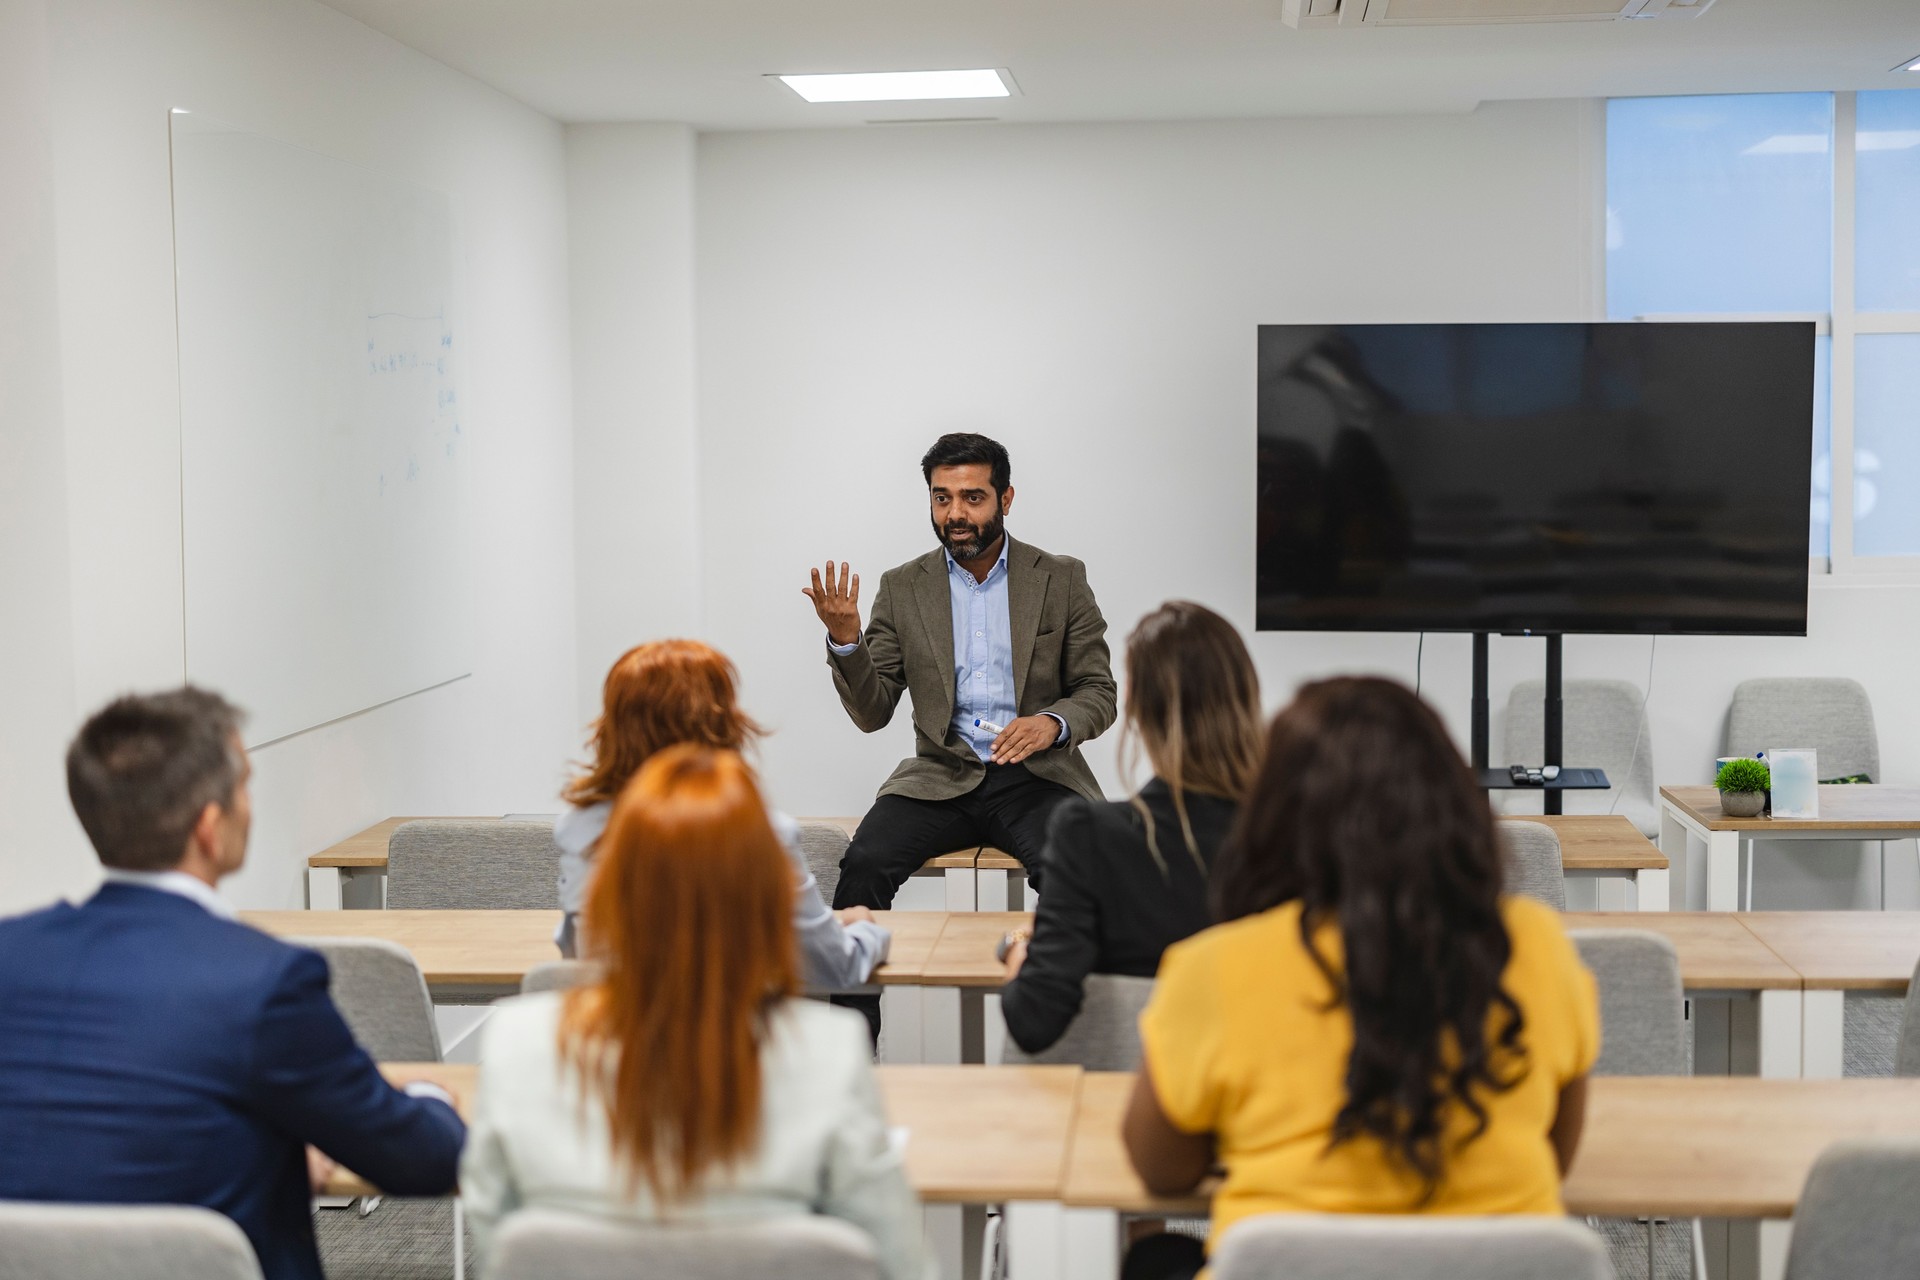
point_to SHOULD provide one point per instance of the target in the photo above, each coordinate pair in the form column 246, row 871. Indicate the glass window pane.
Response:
column 1819, row 540
column 1886, row 444
column 1719, row 203
column 1887, row 201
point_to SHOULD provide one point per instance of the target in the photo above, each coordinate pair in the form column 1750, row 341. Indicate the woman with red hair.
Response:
column 688, row 1083
column 681, row 691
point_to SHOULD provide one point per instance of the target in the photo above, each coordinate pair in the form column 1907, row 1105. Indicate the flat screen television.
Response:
column 1634, row 477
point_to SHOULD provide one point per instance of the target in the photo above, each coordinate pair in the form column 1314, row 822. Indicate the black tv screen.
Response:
column 1630, row 477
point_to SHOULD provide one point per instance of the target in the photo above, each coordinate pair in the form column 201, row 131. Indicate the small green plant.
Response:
column 1743, row 775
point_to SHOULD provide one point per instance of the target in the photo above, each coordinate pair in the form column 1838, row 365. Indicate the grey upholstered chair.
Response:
column 824, row 844
column 1604, row 726
column 1531, row 853
column 556, row 975
column 1830, row 714
column 112, row 1242
column 1359, row 1247
column 379, row 990
column 1906, row 1056
column 542, row 1244
column 1855, row 1220
column 1643, row 1030
column 472, row 864
column 1104, row 1035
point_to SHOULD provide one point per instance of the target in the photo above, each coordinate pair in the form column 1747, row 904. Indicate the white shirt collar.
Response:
column 178, row 883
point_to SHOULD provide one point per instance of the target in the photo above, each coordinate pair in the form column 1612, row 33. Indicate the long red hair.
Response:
column 657, row 694
column 691, row 912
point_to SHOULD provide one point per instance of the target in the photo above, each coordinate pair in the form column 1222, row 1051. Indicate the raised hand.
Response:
column 837, row 603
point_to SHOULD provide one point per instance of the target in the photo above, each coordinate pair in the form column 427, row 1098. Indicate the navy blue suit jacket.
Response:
column 152, row 1052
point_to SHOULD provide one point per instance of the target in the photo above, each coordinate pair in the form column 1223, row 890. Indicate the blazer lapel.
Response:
column 936, row 616
column 1026, row 589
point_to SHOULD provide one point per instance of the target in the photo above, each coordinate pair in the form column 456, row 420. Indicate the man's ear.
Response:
column 205, row 836
column 1006, row 500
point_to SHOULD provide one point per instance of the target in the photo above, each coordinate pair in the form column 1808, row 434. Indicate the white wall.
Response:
column 630, row 238
column 1088, row 294
column 42, row 853
column 301, row 72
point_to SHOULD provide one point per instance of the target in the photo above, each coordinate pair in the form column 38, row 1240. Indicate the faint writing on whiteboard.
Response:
column 410, row 375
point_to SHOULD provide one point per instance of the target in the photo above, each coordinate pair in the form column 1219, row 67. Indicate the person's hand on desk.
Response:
column 851, row 915
column 1014, row 952
column 319, row 1170
column 837, row 603
column 1023, row 737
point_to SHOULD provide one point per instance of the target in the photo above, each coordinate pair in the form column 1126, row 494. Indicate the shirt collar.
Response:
column 178, row 883
column 999, row 565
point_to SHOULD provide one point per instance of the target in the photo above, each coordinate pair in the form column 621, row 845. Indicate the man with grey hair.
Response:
column 153, row 1049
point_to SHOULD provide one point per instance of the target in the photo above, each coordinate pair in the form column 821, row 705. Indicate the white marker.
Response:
column 989, row 726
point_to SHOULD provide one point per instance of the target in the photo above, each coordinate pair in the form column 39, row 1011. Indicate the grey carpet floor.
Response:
column 413, row 1239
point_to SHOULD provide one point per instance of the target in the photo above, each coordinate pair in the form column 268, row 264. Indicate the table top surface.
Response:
column 496, row 948
column 1843, row 807
column 963, row 957
column 975, row 1135
column 367, row 850
column 1717, row 952
column 1843, row 950
column 1736, row 1147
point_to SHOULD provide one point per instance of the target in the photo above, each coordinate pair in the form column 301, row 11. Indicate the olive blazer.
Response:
column 1060, row 666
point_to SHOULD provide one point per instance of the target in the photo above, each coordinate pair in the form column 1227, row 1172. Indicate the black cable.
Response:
column 1418, row 655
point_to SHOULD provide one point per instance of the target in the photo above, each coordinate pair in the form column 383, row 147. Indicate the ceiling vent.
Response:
column 1446, row 13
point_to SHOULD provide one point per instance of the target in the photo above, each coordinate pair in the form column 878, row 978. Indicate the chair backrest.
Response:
column 379, row 990
column 544, row 1244
column 1531, row 853
column 823, row 845
column 1602, row 723
column 476, row 865
column 557, row 975
column 1642, row 1018
column 1831, row 715
column 114, row 1241
column 1855, row 1218
column 1906, row 1055
column 1104, row 1035
column 1362, row 1247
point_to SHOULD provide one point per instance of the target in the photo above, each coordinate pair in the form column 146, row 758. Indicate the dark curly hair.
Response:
column 1365, row 814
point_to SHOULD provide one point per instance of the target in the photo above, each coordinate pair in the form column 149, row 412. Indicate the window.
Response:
column 1785, row 206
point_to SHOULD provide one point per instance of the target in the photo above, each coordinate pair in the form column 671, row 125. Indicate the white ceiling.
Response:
column 705, row 61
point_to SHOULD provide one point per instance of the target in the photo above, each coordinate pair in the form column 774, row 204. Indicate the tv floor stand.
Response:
column 1553, row 722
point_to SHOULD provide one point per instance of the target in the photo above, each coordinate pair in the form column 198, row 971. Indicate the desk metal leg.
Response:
column 1034, row 1231
column 1779, row 1034
column 1823, row 1019
column 1652, row 890
column 962, row 888
column 1723, row 871
column 323, row 888
column 990, row 890
column 1091, row 1239
column 1674, row 843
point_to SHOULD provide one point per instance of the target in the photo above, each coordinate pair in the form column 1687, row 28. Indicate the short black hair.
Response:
column 965, row 449
column 142, row 769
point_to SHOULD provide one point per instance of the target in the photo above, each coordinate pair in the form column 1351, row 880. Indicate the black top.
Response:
column 1107, row 906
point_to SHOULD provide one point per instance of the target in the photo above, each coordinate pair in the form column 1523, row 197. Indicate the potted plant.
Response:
column 1743, row 787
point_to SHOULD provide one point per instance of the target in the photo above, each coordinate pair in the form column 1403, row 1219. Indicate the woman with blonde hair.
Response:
column 1127, row 880
column 682, row 691
column 688, row 1082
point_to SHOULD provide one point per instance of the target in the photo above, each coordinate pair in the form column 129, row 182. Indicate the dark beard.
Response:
column 976, row 547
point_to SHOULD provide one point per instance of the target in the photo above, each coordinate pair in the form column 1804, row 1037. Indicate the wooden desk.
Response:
column 1843, row 950
column 1717, row 952
column 1856, row 812
column 365, row 853
column 976, row 1135
column 1720, row 1147
column 489, row 952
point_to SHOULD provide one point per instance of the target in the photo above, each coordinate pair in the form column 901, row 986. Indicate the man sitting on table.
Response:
column 153, row 1049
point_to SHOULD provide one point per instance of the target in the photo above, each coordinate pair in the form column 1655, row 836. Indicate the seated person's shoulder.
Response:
column 1533, row 926
column 820, row 1037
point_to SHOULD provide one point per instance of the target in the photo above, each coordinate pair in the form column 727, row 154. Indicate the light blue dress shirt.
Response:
column 982, row 655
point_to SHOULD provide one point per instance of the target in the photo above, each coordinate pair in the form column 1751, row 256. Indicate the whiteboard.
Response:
column 323, row 491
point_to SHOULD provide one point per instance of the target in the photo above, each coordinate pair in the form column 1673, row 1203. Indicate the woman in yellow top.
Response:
column 1374, row 1028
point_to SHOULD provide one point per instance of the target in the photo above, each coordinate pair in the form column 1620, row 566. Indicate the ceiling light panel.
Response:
column 899, row 86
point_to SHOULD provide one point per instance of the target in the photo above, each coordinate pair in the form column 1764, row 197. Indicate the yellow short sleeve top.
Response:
column 1241, row 1043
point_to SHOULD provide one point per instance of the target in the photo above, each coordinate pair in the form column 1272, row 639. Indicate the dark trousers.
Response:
column 1163, row 1257
column 1008, row 810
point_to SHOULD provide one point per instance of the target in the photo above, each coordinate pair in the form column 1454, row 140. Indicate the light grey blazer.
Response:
column 535, row 1140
